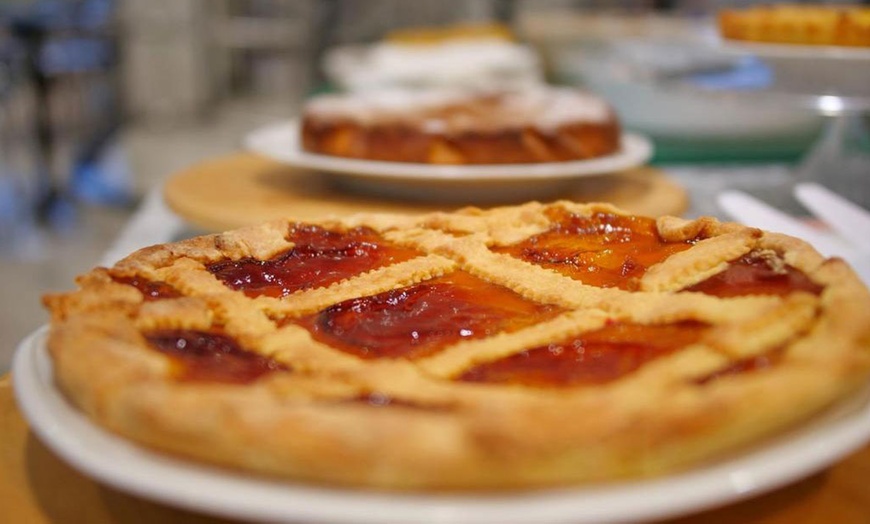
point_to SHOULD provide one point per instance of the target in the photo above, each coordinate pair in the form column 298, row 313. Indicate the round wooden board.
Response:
column 243, row 188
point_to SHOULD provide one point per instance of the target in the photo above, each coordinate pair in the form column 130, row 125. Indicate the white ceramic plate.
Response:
column 773, row 50
column 151, row 475
column 841, row 72
column 480, row 183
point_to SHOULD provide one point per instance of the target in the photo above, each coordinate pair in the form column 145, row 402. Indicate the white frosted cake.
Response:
column 467, row 63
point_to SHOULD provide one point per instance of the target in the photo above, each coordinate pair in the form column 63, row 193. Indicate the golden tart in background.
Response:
column 436, row 35
column 515, row 347
column 835, row 25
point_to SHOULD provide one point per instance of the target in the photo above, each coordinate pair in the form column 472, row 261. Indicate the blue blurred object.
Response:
column 747, row 73
column 76, row 55
column 62, row 40
column 102, row 174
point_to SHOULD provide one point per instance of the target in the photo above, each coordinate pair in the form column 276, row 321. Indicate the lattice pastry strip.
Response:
column 708, row 257
column 514, row 347
column 377, row 281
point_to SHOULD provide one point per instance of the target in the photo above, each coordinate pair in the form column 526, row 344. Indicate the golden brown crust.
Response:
column 511, row 146
column 835, row 25
column 314, row 423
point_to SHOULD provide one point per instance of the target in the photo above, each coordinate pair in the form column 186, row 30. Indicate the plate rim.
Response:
column 635, row 150
column 805, row 51
column 180, row 483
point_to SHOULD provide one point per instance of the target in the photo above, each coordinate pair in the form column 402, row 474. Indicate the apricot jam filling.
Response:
column 602, row 250
column 756, row 275
column 150, row 290
column 418, row 320
column 319, row 258
column 596, row 357
column 201, row 356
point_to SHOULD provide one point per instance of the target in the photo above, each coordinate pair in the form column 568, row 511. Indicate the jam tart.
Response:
column 510, row 348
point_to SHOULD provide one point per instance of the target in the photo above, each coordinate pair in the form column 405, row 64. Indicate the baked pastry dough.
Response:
column 540, row 124
column 516, row 347
column 837, row 25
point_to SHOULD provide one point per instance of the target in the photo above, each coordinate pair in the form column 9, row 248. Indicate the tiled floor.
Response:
column 47, row 259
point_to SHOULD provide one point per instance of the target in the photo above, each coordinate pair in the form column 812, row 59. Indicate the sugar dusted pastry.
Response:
column 544, row 124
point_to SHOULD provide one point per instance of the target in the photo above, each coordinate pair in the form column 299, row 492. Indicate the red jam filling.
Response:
column 319, row 258
column 212, row 357
column 415, row 321
column 602, row 250
column 755, row 275
column 150, row 290
column 596, row 357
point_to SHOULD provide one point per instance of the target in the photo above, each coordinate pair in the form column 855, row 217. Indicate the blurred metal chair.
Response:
column 69, row 64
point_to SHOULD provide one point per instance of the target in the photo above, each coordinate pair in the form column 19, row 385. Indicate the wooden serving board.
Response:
column 244, row 188
column 37, row 487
